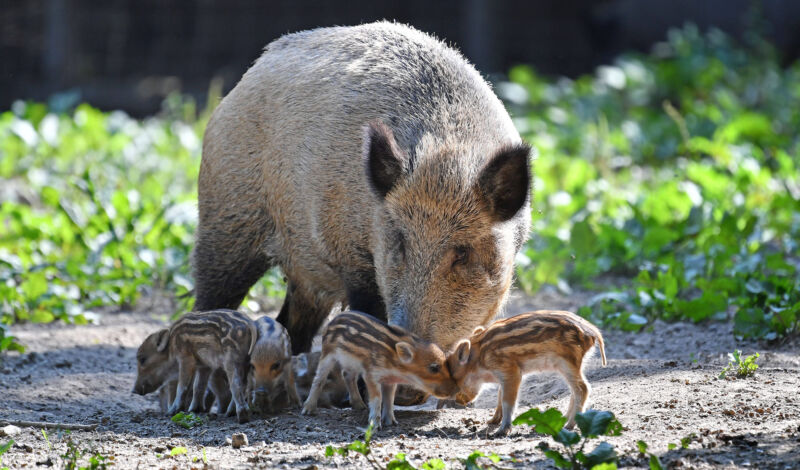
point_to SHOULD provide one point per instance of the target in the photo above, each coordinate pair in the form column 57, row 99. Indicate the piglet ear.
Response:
column 385, row 162
column 162, row 340
column 405, row 352
column 462, row 351
column 478, row 330
column 505, row 182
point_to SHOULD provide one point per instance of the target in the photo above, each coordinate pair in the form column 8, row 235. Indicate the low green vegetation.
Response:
column 674, row 179
column 573, row 454
column 668, row 182
column 740, row 366
column 188, row 420
column 477, row 460
column 74, row 455
column 3, row 449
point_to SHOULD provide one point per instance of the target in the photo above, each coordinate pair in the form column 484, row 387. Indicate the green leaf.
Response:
column 604, row 452
column 557, row 458
column 550, row 422
column 434, row 464
column 593, row 423
column 655, row 463
column 672, row 446
column 567, row 437
column 399, row 463
column 605, row 466
column 642, row 446
column 178, row 451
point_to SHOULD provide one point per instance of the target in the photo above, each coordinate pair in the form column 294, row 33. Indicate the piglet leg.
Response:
column 509, row 385
column 186, row 369
column 199, row 391
column 375, row 398
column 351, row 382
column 237, row 378
column 387, row 397
column 291, row 387
column 323, row 369
column 498, row 412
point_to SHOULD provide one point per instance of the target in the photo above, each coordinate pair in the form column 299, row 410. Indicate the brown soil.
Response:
column 662, row 384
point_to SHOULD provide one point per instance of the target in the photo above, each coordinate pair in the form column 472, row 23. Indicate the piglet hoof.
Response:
column 495, row 419
column 309, row 410
column 503, row 431
column 358, row 406
column 388, row 420
column 570, row 424
column 243, row 415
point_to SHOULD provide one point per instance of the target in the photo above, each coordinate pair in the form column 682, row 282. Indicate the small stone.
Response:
column 238, row 440
column 9, row 430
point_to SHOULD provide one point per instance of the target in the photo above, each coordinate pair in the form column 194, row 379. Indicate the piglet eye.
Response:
column 142, row 360
column 434, row 368
column 275, row 366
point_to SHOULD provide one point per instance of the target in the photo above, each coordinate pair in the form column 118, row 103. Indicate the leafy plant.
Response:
column 74, row 454
column 653, row 461
column 187, row 420
column 677, row 169
column 741, row 366
column 591, row 424
column 399, row 461
column 3, row 449
column 178, row 451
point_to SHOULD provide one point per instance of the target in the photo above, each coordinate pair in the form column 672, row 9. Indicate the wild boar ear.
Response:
column 163, row 340
column 462, row 351
column 385, row 162
column 405, row 352
column 505, row 181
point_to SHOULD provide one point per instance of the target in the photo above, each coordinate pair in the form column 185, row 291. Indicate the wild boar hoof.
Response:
column 309, row 410
column 495, row 419
column 243, row 416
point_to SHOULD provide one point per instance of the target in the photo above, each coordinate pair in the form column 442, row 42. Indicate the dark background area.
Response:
column 129, row 54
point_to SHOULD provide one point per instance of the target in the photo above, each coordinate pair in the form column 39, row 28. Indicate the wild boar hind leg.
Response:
column 302, row 314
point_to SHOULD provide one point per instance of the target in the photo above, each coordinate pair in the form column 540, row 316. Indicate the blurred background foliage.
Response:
column 667, row 182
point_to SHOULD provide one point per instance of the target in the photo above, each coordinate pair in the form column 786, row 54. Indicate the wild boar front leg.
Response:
column 323, row 369
column 351, row 382
column 387, row 397
column 186, row 370
column 509, row 385
column 199, row 389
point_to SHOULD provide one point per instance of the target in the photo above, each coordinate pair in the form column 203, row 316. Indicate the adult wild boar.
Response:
column 375, row 166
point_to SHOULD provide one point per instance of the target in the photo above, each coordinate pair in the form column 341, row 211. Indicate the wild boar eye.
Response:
column 142, row 360
column 460, row 255
column 434, row 368
column 275, row 366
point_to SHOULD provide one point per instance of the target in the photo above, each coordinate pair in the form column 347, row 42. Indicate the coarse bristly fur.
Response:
column 545, row 340
column 385, row 356
column 377, row 168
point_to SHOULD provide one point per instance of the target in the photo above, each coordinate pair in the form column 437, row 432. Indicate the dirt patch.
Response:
column 662, row 385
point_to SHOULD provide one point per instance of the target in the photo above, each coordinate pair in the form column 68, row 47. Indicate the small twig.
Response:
column 46, row 425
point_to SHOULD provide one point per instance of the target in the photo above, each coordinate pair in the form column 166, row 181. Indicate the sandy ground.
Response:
column 662, row 384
